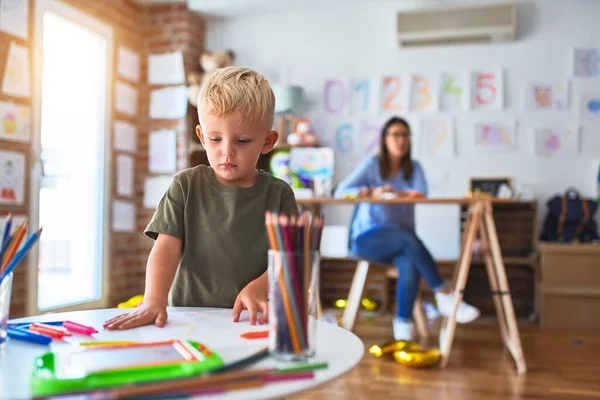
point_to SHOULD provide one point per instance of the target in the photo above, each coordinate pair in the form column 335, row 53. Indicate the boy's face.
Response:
column 233, row 149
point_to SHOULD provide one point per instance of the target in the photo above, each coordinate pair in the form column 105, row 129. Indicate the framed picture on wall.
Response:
column 492, row 186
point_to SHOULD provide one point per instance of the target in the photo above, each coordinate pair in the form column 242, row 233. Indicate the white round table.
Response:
column 341, row 349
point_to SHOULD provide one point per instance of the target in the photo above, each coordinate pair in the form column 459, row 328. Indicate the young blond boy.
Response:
column 211, row 245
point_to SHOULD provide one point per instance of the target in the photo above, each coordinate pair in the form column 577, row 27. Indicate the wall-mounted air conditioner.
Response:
column 473, row 23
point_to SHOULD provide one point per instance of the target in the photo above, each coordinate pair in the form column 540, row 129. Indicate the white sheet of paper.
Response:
column 495, row 137
column 162, row 149
column 14, row 122
column 125, row 137
column 123, row 216
column 154, row 189
column 12, row 177
column 586, row 62
column 547, row 95
column 14, row 17
column 16, row 74
column 556, row 142
column 128, row 64
column 589, row 107
column 437, row 137
column 454, row 91
column 125, row 171
column 126, row 98
column 423, row 93
column 590, row 141
column 166, row 69
column 487, row 89
column 168, row 103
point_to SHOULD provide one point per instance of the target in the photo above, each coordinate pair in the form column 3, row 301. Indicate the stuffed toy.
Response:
column 303, row 134
column 209, row 61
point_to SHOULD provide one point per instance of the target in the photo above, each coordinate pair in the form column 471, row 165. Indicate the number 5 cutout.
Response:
column 487, row 90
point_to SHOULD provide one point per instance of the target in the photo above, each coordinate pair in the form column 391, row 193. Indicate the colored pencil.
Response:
column 12, row 248
column 21, row 253
column 5, row 235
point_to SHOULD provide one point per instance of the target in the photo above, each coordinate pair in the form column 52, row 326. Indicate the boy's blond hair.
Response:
column 232, row 90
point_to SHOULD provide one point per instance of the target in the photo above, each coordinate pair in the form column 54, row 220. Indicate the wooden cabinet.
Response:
column 570, row 289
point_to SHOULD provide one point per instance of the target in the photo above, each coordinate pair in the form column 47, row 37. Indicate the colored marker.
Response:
column 26, row 336
column 49, row 330
column 111, row 343
column 78, row 328
column 255, row 335
column 26, row 324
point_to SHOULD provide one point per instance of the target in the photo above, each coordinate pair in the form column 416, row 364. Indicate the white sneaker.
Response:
column 465, row 313
column 403, row 330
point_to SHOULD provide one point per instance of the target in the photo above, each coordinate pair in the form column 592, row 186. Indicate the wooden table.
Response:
column 480, row 223
column 213, row 327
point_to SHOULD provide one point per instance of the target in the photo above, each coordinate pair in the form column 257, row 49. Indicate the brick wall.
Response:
column 145, row 30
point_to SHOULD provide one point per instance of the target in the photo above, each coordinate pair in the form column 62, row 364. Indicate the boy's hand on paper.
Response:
column 146, row 314
column 254, row 299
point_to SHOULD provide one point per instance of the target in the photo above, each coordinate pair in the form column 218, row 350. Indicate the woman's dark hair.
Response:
column 385, row 163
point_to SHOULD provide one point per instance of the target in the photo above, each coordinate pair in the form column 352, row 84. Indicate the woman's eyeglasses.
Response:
column 398, row 135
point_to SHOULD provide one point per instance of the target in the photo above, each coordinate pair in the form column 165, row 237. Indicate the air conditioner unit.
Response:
column 485, row 23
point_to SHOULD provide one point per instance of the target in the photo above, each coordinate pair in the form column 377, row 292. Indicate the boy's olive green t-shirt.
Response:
column 223, row 233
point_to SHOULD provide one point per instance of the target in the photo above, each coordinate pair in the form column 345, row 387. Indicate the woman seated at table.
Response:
column 386, row 232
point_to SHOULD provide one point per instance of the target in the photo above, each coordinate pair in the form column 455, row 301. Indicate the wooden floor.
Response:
column 561, row 365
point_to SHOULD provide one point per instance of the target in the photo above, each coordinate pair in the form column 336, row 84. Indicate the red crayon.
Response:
column 78, row 328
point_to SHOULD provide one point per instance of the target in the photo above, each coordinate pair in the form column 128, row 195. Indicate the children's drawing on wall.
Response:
column 335, row 97
column 437, row 137
column 14, row 122
column 363, row 96
column 369, row 134
column 454, row 91
column 423, row 93
column 16, row 74
column 346, row 138
column 495, row 137
column 586, row 62
column 547, row 96
column 12, row 177
column 556, row 142
column 589, row 107
column 487, row 90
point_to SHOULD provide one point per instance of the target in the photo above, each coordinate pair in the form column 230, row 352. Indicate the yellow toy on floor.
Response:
column 133, row 302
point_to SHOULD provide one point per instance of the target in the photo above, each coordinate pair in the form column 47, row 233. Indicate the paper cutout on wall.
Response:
column 154, row 189
column 312, row 162
column 487, row 90
column 125, row 137
column 546, row 95
column 14, row 122
column 364, row 96
column 336, row 97
column 369, row 134
column 589, row 107
column 586, row 62
column 123, row 216
column 126, row 98
column 346, row 138
column 12, row 177
column 128, row 64
column 16, row 73
column 556, row 142
column 437, row 137
column 395, row 94
column 495, row 137
column 423, row 93
column 454, row 91
column 125, row 172
column 168, row 103
column 162, row 148
column 166, row 69
column 14, row 17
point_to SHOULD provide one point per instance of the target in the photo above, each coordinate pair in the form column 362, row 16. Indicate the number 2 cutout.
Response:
column 392, row 100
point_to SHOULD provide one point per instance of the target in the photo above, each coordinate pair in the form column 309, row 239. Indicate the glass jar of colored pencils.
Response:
column 293, row 298
column 5, row 291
